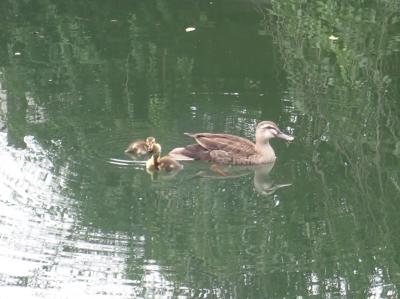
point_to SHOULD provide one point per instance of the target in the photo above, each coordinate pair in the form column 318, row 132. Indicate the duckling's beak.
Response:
column 285, row 136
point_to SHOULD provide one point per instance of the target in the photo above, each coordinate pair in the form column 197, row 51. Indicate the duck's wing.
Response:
column 231, row 144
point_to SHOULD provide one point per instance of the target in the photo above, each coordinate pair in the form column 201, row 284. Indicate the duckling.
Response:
column 157, row 163
column 141, row 147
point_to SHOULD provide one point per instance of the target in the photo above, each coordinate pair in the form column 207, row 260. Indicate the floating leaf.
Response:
column 332, row 37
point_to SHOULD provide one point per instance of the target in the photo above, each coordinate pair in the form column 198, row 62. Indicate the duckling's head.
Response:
column 156, row 149
column 153, row 162
column 150, row 141
column 267, row 129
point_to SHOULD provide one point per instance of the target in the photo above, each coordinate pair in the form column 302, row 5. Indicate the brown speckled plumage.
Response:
column 231, row 149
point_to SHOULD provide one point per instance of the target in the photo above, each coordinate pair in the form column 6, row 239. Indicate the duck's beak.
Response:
column 285, row 136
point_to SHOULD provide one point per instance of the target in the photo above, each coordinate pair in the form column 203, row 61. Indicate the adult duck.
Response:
column 231, row 149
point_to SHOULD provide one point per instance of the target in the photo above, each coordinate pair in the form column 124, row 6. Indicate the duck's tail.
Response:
column 190, row 152
column 181, row 154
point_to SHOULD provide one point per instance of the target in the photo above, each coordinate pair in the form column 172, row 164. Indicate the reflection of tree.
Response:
column 96, row 69
column 93, row 69
column 339, row 61
column 79, row 52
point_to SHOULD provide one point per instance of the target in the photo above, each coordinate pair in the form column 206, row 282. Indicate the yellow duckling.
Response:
column 166, row 163
column 141, row 147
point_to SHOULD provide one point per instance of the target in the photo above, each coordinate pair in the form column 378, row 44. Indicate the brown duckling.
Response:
column 141, row 147
column 166, row 163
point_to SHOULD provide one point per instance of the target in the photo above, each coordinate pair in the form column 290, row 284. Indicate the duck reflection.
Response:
column 263, row 183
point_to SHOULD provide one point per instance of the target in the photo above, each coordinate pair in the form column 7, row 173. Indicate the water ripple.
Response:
column 44, row 250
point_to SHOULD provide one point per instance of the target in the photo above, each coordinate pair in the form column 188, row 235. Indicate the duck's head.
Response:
column 267, row 129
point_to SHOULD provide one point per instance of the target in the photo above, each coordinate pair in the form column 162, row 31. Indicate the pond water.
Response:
column 79, row 218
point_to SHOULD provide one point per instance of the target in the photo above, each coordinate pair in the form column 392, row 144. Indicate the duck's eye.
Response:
column 272, row 129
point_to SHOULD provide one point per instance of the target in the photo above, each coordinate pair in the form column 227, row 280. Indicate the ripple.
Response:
column 45, row 252
column 122, row 162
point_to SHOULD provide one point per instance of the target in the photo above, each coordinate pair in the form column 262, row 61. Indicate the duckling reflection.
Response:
column 141, row 147
column 168, row 166
column 263, row 183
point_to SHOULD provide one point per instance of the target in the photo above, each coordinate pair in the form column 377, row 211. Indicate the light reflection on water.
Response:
column 79, row 219
column 45, row 253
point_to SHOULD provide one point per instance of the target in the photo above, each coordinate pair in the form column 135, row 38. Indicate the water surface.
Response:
column 80, row 80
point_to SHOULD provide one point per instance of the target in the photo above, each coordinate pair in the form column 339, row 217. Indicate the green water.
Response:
column 79, row 80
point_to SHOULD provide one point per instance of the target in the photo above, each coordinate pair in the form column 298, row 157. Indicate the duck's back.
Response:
column 231, row 144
